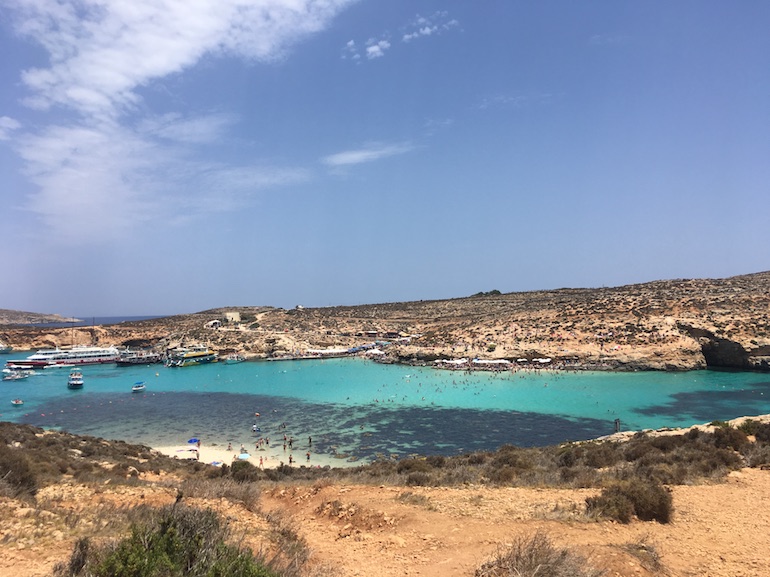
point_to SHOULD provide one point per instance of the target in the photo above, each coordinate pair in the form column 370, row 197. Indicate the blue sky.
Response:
column 169, row 156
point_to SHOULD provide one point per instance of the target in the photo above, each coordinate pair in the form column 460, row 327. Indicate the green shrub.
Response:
column 177, row 541
column 750, row 426
column 244, row 472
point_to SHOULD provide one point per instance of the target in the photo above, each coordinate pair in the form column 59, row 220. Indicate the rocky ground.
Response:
column 719, row 530
column 663, row 325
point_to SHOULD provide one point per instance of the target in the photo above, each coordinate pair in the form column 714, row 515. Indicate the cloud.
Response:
column 114, row 163
column 376, row 48
column 368, row 153
column 192, row 130
column 7, row 126
column 102, row 51
column 421, row 26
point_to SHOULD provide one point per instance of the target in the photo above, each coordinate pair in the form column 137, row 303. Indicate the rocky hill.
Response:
column 664, row 325
column 9, row 317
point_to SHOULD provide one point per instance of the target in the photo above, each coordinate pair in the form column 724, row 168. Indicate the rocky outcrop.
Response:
column 720, row 352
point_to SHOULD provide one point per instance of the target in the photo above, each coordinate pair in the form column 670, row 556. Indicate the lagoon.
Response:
column 358, row 411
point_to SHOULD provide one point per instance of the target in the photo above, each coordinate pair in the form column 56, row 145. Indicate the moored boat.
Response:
column 138, row 387
column 76, row 380
column 139, row 357
column 192, row 355
column 234, row 358
column 17, row 402
column 77, row 355
column 16, row 375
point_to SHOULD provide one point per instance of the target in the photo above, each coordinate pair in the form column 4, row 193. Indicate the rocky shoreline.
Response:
column 664, row 325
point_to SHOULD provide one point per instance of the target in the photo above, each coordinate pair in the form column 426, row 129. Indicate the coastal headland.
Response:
column 682, row 324
column 430, row 516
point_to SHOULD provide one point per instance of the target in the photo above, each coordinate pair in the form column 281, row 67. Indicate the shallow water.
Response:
column 359, row 410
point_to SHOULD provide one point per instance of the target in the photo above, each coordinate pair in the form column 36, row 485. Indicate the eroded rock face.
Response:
column 720, row 352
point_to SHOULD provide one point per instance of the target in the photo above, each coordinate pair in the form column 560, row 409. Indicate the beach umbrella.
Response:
column 193, row 440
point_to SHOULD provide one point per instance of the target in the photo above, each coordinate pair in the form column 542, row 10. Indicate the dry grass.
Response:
column 535, row 556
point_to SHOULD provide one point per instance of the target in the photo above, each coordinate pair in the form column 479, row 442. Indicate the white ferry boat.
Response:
column 77, row 355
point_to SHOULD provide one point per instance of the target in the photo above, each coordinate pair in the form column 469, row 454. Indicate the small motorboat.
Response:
column 234, row 358
column 17, row 402
column 138, row 387
column 76, row 380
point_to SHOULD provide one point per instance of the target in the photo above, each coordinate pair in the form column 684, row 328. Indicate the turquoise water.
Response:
column 363, row 410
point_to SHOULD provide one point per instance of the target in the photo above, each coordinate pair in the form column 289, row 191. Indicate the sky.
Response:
column 170, row 156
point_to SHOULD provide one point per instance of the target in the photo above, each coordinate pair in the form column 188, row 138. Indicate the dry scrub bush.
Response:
column 291, row 550
column 647, row 554
column 535, row 557
column 647, row 499
column 16, row 474
column 223, row 488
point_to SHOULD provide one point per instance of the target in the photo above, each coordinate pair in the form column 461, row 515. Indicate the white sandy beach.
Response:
column 272, row 456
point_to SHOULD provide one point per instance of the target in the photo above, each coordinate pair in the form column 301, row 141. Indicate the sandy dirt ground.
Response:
column 719, row 530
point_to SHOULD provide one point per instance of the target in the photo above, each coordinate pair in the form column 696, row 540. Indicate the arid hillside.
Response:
column 662, row 325
column 691, row 501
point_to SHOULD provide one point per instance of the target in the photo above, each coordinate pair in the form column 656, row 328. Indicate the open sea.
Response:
column 360, row 410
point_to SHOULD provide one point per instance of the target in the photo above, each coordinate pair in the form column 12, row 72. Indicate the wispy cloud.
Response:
column 113, row 162
column 7, row 126
column 197, row 130
column 368, row 153
column 419, row 27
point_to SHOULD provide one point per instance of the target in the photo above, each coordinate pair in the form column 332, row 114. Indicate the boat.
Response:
column 139, row 357
column 192, row 355
column 16, row 375
column 4, row 348
column 138, row 387
column 76, row 380
column 234, row 358
column 77, row 355
column 17, row 402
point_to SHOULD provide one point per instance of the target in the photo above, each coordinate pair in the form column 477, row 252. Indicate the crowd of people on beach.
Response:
column 262, row 443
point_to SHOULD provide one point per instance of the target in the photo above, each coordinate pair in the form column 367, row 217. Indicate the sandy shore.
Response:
column 271, row 457
column 274, row 455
